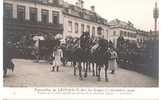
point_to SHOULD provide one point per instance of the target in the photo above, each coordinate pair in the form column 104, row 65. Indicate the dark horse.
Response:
column 81, row 54
column 100, row 55
column 85, row 54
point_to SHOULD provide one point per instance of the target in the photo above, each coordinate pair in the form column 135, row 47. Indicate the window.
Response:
column 7, row 10
column 114, row 41
column 99, row 30
column 103, row 31
column 55, row 1
column 76, row 27
column 134, row 35
column 93, row 31
column 121, row 33
column 128, row 34
column 138, row 40
column 88, row 28
column 70, row 26
column 43, row 1
column 33, row 14
column 45, row 16
column 107, row 33
column 21, row 13
column 55, row 17
column 114, row 33
column 125, row 34
column 82, row 28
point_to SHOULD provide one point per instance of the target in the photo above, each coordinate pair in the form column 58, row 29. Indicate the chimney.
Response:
column 79, row 1
column 93, row 8
column 77, row 4
column 50, row 1
column 61, row 2
column 82, row 3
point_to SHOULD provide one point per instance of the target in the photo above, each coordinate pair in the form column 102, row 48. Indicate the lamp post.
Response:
column 155, row 16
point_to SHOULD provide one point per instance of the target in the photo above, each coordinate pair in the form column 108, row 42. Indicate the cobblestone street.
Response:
column 30, row 74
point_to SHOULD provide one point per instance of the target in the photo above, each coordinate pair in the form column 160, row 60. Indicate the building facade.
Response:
column 50, row 17
column 32, row 17
column 121, row 28
column 153, row 35
column 78, row 20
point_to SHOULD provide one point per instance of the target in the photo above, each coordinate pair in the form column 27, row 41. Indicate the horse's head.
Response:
column 103, row 43
column 85, row 35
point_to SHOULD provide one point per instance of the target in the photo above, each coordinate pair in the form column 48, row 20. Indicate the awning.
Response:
column 59, row 36
column 38, row 38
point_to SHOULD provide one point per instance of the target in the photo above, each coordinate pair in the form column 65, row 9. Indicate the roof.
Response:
column 73, row 10
column 42, row 2
column 116, row 23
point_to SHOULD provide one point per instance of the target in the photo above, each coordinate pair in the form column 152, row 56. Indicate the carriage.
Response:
column 68, row 49
column 45, row 49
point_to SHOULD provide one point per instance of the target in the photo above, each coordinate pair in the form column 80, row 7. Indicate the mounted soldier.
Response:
column 84, row 40
column 100, row 54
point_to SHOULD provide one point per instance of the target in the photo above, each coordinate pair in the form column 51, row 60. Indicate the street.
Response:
column 27, row 73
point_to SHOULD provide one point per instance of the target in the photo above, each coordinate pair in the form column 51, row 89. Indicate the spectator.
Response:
column 112, row 61
column 57, row 55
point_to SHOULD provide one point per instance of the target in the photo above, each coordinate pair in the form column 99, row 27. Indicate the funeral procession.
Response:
column 55, row 43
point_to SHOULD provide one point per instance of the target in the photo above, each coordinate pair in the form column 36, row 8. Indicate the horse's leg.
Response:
column 93, row 69
column 12, row 65
column 71, row 63
column 96, row 69
column 80, row 71
column 37, row 58
column 83, row 66
column 86, row 70
column 99, row 70
column 64, row 62
column 74, row 65
column 106, row 68
column 89, row 66
column 4, row 71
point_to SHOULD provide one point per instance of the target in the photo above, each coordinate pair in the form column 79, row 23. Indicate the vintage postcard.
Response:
column 84, row 47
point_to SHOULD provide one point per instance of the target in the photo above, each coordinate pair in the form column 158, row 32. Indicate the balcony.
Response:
column 26, row 25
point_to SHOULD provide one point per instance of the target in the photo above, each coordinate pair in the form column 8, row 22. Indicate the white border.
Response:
column 28, row 93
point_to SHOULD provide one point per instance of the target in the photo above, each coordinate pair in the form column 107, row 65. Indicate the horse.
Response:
column 100, row 54
column 93, row 46
column 81, row 54
column 95, row 52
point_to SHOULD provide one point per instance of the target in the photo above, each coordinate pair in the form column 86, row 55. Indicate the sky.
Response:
column 139, row 12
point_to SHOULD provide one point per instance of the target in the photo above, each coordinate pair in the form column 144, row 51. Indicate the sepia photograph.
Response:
column 81, row 43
